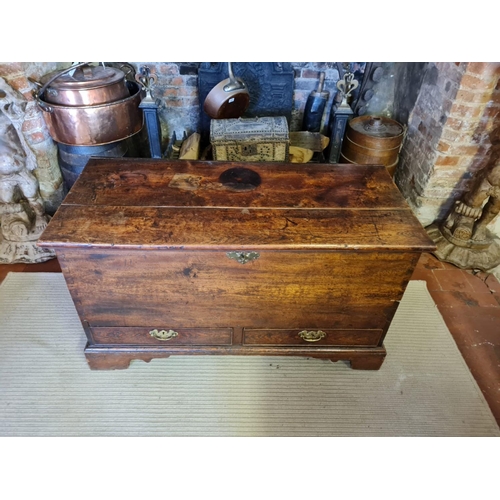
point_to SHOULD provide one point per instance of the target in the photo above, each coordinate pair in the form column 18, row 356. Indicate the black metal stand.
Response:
column 150, row 109
column 340, row 115
column 340, row 118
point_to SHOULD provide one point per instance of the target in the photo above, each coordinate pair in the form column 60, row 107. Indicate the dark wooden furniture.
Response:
column 179, row 257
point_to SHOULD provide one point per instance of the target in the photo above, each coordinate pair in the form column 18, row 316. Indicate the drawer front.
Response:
column 312, row 336
column 158, row 336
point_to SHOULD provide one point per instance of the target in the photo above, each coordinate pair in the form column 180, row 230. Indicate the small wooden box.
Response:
column 174, row 257
column 250, row 139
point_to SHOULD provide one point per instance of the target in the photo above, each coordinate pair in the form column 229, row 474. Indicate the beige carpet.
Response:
column 46, row 388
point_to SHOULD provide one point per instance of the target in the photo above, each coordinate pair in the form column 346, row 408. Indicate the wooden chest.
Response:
column 178, row 257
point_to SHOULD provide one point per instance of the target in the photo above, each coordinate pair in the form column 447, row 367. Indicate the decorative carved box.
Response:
column 185, row 257
column 250, row 139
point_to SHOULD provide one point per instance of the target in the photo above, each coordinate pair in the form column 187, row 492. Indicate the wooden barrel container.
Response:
column 372, row 140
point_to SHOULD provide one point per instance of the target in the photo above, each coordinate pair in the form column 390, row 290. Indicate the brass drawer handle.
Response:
column 312, row 336
column 243, row 257
column 163, row 334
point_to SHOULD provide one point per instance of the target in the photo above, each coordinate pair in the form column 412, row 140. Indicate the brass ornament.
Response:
column 163, row 334
column 243, row 257
column 312, row 335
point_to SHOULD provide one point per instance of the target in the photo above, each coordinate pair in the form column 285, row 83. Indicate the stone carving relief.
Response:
column 464, row 239
column 22, row 213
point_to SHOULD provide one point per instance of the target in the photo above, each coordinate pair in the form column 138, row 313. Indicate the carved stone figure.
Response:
column 22, row 213
column 464, row 239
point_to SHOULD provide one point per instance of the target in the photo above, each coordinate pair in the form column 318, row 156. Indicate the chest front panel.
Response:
column 208, row 288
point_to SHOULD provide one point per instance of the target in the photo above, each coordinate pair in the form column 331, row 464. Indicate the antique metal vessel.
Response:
column 228, row 99
column 86, row 86
column 98, row 108
column 372, row 140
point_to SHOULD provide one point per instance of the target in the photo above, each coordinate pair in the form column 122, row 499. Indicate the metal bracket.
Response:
column 243, row 257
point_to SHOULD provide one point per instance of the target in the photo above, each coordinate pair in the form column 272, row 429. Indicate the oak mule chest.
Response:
column 190, row 257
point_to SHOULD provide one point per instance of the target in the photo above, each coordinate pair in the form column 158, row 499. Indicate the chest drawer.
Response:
column 312, row 336
column 151, row 335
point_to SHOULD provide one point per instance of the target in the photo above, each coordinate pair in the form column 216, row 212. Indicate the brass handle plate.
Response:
column 163, row 334
column 312, row 335
column 243, row 257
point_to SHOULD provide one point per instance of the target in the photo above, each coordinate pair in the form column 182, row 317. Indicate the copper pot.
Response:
column 91, row 107
column 228, row 99
column 86, row 86
column 95, row 125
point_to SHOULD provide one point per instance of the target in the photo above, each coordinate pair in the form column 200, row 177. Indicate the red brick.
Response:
column 443, row 147
column 33, row 124
column 176, row 81
column 447, row 160
column 169, row 69
column 451, row 135
column 310, row 73
column 37, row 137
column 483, row 97
column 470, row 97
column 11, row 68
column 456, row 149
column 471, row 82
column 18, row 82
column 462, row 111
column 464, row 96
column 480, row 68
column 453, row 123
column 449, row 171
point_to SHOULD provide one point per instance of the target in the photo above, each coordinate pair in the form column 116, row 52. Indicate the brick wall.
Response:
column 449, row 137
column 177, row 86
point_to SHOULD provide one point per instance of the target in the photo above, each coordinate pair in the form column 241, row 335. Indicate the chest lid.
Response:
column 149, row 203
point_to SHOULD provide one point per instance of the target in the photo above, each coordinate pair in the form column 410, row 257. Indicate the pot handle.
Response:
column 39, row 94
column 234, row 84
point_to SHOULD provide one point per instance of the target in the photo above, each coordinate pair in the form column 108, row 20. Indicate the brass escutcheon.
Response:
column 243, row 257
column 163, row 334
column 312, row 336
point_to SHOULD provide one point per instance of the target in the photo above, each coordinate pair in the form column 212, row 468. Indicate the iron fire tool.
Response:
column 342, row 114
column 150, row 107
column 315, row 107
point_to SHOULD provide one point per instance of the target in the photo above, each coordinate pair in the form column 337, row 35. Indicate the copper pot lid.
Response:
column 376, row 126
column 85, row 78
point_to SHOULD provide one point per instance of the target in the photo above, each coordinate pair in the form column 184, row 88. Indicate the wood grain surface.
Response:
column 170, row 183
column 200, row 289
column 146, row 244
